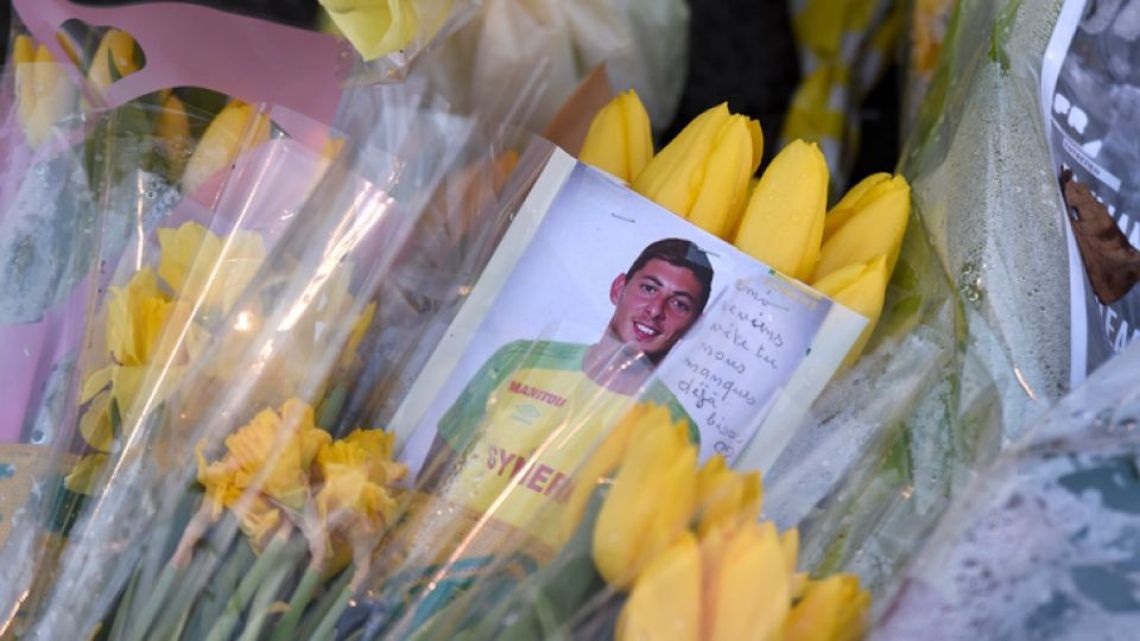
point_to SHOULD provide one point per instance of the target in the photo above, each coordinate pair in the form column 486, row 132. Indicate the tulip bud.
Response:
column 113, row 59
column 665, row 602
column 43, row 93
column 783, row 225
column 375, row 27
column 173, row 130
column 237, row 126
column 620, row 140
column 24, row 57
column 875, row 226
column 861, row 288
column 746, row 582
column 845, row 208
column 648, row 505
column 834, row 609
column 726, row 498
column 703, row 174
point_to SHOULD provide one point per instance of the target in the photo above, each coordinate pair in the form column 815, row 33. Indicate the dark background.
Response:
column 741, row 51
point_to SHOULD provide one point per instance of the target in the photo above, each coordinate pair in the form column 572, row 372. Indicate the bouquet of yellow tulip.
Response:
column 847, row 253
column 655, row 547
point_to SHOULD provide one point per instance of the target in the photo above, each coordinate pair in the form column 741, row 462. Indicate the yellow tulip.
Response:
column 113, row 59
column 862, row 288
column 664, row 604
column 173, row 130
column 648, row 505
column 136, row 315
column 846, row 207
column 875, row 226
column 783, row 225
column 834, row 609
column 746, row 582
column 375, row 27
column 23, row 59
column 619, row 140
column 43, row 91
column 703, row 174
column 726, row 498
column 194, row 259
column 237, row 126
column 607, row 456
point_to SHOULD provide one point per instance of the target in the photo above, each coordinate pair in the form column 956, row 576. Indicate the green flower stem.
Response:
column 266, row 595
column 327, row 628
column 287, row 626
column 119, row 627
column 236, row 605
column 155, row 600
column 321, row 608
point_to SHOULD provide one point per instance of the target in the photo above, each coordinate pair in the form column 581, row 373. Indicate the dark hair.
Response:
column 679, row 253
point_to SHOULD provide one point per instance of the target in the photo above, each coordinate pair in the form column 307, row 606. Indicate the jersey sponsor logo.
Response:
column 537, row 394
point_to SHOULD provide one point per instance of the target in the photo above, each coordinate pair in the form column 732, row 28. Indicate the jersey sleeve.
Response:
column 467, row 413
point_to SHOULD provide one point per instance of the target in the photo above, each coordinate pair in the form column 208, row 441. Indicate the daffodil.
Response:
column 833, row 609
column 379, row 447
column 196, row 261
column 272, row 455
column 136, row 315
column 84, row 475
column 649, row 504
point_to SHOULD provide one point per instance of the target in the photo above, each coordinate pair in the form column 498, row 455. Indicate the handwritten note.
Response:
column 733, row 364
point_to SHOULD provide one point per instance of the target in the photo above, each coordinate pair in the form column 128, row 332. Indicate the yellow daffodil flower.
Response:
column 196, row 260
column 86, row 473
column 619, row 140
column 136, row 315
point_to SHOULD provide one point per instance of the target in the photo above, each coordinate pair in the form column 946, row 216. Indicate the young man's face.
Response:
column 654, row 307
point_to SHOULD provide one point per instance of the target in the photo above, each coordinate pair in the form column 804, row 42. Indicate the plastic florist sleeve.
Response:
column 598, row 298
column 1042, row 543
column 988, row 156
